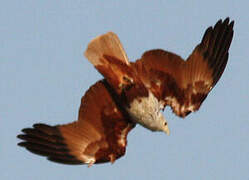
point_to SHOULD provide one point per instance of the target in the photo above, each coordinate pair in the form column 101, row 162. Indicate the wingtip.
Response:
column 26, row 130
column 219, row 22
column 226, row 21
column 20, row 136
column 22, row 144
column 231, row 24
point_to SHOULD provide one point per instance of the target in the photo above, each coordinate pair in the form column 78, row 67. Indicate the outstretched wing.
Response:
column 98, row 136
column 184, row 85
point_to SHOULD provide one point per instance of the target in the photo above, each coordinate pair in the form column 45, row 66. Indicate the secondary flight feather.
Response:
column 132, row 93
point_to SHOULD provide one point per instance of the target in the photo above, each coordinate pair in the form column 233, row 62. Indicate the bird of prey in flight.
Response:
column 132, row 93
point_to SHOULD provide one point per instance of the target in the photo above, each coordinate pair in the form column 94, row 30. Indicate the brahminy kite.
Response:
column 132, row 93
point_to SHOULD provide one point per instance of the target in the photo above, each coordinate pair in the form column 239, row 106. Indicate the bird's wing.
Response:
column 98, row 136
column 184, row 85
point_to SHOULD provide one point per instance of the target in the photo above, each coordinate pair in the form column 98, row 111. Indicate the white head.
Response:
column 147, row 112
column 162, row 124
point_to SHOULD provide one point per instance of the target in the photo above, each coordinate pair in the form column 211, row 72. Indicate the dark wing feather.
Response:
column 213, row 50
column 184, row 85
column 47, row 141
column 98, row 136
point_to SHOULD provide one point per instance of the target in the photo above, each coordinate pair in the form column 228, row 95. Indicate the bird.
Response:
column 132, row 93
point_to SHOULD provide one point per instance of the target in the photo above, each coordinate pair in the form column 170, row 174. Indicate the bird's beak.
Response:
column 166, row 127
column 166, row 130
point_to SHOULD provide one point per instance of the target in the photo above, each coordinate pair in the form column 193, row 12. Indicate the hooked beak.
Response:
column 166, row 130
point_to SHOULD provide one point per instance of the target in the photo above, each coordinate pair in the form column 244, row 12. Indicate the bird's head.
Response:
column 162, row 124
column 147, row 112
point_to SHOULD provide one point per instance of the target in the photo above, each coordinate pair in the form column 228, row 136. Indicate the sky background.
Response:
column 43, row 75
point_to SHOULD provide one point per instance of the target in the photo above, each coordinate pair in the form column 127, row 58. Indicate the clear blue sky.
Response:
column 43, row 75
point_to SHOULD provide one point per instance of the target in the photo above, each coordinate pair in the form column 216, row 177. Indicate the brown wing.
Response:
column 184, row 85
column 98, row 136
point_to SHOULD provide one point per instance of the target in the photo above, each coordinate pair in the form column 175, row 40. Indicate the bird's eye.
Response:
column 165, row 124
